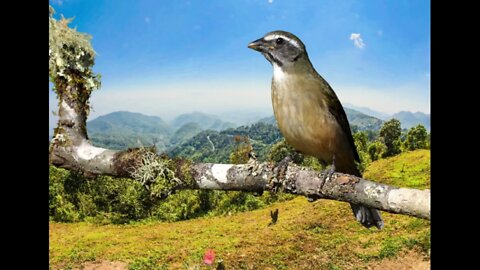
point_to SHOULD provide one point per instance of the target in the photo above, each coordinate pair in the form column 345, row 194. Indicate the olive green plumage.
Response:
column 309, row 113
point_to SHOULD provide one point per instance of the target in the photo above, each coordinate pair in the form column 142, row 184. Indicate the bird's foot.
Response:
column 277, row 182
column 286, row 160
column 252, row 157
column 283, row 164
column 252, row 161
column 327, row 175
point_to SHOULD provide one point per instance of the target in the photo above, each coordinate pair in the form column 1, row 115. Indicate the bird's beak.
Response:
column 258, row 45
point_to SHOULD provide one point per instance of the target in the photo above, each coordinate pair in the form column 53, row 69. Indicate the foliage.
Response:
column 281, row 150
column 319, row 235
column 390, row 136
column 361, row 140
column 70, row 59
column 216, row 147
column 183, row 205
column 416, row 138
column 73, row 197
column 242, row 151
column 376, row 149
column 361, row 143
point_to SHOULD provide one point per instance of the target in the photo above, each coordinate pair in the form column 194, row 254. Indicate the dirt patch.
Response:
column 406, row 261
column 103, row 265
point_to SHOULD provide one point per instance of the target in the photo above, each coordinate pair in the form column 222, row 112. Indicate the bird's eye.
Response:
column 279, row 41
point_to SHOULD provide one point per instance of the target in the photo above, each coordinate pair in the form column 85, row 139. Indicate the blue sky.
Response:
column 165, row 58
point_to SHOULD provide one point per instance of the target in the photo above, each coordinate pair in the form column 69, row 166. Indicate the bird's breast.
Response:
column 303, row 116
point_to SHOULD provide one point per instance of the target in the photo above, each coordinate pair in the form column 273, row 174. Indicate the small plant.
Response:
column 274, row 216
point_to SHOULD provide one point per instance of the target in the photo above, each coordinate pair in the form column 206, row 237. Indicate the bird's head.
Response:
column 280, row 48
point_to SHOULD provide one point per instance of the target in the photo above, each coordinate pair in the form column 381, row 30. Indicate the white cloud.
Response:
column 147, row 19
column 357, row 40
column 270, row 1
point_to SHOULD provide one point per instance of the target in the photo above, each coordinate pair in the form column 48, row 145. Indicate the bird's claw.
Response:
column 286, row 160
column 327, row 175
column 252, row 157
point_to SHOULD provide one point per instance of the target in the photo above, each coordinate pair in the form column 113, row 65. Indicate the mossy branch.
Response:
column 70, row 69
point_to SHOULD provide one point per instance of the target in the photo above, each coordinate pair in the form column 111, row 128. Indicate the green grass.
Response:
column 319, row 235
column 411, row 169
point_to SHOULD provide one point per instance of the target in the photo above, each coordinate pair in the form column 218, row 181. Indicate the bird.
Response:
column 309, row 113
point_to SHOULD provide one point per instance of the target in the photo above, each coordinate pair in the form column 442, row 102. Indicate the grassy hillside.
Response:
column 319, row 235
column 363, row 121
column 410, row 170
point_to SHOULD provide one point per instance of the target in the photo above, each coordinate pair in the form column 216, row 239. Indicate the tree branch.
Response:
column 71, row 149
column 254, row 177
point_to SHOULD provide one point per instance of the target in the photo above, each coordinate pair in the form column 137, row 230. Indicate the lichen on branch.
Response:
column 155, row 173
column 70, row 61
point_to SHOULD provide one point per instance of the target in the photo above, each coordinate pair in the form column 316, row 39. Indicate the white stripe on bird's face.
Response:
column 290, row 40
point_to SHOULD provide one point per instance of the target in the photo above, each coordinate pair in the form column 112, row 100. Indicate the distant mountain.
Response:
column 268, row 120
column 409, row 119
column 205, row 121
column 367, row 111
column 356, row 118
column 363, row 121
column 120, row 130
column 215, row 146
column 194, row 133
column 128, row 122
column 185, row 132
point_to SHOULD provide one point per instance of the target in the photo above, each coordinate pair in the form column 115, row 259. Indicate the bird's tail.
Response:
column 367, row 216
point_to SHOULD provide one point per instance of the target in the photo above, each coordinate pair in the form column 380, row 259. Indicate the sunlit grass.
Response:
column 319, row 235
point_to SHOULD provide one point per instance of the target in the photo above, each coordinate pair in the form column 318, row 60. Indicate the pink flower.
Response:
column 209, row 257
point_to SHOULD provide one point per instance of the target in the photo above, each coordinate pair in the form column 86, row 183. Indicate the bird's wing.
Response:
column 336, row 109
